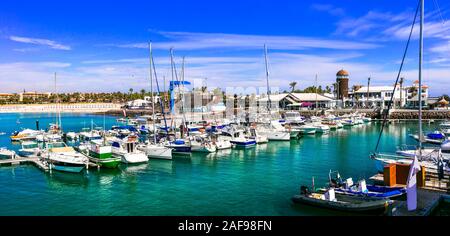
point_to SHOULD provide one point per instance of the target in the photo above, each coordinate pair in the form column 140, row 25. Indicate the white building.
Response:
column 376, row 96
column 413, row 95
column 139, row 104
column 296, row 101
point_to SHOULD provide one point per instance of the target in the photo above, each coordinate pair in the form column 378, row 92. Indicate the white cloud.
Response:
column 41, row 42
column 330, row 9
column 196, row 41
column 122, row 74
column 371, row 23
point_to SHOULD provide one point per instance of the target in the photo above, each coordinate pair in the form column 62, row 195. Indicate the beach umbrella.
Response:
column 443, row 102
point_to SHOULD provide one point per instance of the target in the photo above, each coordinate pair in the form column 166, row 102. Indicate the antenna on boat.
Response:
column 269, row 102
column 317, row 103
column 422, row 12
column 151, row 90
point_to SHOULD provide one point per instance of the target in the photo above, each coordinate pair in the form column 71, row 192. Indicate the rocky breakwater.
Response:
column 414, row 114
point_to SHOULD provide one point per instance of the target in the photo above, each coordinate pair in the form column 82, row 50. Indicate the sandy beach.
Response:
column 64, row 108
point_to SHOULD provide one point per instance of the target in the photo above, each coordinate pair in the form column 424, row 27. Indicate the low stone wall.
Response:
column 409, row 114
column 394, row 114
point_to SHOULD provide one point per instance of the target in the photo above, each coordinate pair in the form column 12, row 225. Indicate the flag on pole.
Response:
column 411, row 185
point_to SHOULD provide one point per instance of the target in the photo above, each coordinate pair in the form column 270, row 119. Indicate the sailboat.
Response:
column 58, row 155
column 274, row 131
column 180, row 146
column 154, row 149
column 407, row 156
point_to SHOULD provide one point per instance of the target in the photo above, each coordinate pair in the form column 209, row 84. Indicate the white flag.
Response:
column 411, row 185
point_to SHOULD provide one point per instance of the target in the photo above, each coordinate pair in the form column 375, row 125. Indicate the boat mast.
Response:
column 269, row 102
column 368, row 92
column 422, row 12
column 58, row 105
column 317, row 102
column 151, row 91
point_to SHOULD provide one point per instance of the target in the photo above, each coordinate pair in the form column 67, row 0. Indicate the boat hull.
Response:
column 158, row 153
column 64, row 167
column 246, row 144
column 279, row 136
column 374, row 206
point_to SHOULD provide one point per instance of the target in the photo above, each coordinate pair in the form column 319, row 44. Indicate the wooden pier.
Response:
column 22, row 160
column 36, row 161
column 428, row 196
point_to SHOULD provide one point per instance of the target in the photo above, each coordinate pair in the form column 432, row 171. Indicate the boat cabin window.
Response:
column 56, row 145
column 30, row 145
column 130, row 147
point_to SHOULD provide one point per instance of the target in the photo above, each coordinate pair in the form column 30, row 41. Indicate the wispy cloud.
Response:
column 371, row 23
column 196, row 41
column 41, row 42
column 330, row 9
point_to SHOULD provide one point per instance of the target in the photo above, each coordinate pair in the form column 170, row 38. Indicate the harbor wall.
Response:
column 394, row 114
column 65, row 108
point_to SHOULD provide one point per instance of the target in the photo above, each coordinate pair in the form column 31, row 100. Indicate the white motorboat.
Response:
column 29, row 148
column 60, row 157
column 201, row 144
column 72, row 136
column 156, row 151
column 26, row 134
column 127, row 151
column 223, row 142
column 294, row 117
column 307, row 129
column 8, row 154
column 259, row 138
column 47, row 137
column 277, row 132
column 321, row 128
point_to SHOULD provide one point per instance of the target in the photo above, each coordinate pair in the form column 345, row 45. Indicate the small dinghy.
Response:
column 341, row 202
column 347, row 187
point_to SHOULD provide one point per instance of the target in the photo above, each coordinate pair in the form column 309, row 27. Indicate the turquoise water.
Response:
column 258, row 181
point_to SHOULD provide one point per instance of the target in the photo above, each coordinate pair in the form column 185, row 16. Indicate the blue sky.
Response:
column 101, row 45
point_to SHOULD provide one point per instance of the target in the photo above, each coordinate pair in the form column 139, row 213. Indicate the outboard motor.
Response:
column 304, row 190
column 445, row 146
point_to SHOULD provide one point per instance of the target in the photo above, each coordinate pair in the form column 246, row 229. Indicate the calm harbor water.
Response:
column 257, row 181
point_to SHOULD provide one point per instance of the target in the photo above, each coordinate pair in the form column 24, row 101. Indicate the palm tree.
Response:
column 143, row 93
column 131, row 90
column 292, row 85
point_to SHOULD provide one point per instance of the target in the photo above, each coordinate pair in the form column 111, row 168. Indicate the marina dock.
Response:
column 428, row 196
column 36, row 161
column 21, row 161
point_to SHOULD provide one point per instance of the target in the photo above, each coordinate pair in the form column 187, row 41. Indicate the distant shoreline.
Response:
column 64, row 108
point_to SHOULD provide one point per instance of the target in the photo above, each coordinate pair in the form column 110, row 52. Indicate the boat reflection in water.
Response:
column 60, row 180
column 135, row 169
column 162, row 166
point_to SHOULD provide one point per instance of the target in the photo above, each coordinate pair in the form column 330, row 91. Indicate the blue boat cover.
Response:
column 179, row 142
column 435, row 136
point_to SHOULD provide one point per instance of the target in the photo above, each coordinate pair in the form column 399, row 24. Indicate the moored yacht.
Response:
column 29, row 148
column 127, row 151
column 156, row 151
column 63, row 158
